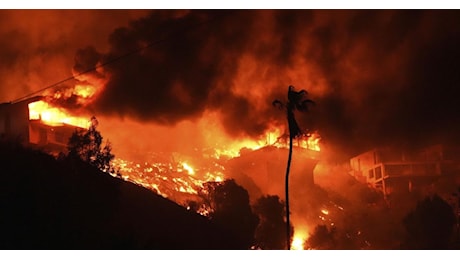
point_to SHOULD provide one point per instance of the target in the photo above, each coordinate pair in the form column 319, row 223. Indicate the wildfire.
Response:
column 167, row 178
column 50, row 115
column 312, row 142
column 177, row 179
column 54, row 115
column 298, row 241
column 273, row 137
column 306, row 141
column 84, row 91
column 187, row 167
column 174, row 177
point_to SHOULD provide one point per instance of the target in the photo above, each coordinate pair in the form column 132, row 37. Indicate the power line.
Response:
column 166, row 38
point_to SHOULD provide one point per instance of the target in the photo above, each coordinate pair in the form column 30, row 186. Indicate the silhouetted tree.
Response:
column 86, row 145
column 270, row 231
column 296, row 101
column 430, row 225
column 322, row 238
column 227, row 204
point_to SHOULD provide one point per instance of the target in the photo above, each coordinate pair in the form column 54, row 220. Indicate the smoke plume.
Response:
column 377, row 76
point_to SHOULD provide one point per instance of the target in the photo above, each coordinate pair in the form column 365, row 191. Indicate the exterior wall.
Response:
column 14, row 120
column 361, row 164
column 51, row 138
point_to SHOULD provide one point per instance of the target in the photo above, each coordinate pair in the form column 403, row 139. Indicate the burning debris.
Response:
column 177, row 178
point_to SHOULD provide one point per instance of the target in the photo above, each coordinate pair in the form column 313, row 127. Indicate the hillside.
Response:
column 62, row 204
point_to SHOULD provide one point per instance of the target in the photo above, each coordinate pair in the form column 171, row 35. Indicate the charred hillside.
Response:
column 50, row 203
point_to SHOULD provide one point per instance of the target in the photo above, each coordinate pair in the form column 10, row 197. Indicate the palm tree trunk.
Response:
column 288, row 225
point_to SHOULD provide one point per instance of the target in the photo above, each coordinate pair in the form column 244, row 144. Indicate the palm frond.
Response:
column 295, row 97
column 304, row 105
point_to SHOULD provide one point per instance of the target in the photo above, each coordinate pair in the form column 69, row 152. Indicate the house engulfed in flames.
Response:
column 393, row 170
column 33, row 123
column 266, row 167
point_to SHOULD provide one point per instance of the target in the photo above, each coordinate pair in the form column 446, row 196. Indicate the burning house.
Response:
column 266, row 168
column 393, row 170
column 34, row 123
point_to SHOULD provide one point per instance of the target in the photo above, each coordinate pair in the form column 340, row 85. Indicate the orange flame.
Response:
column 298, row 241
column 52, row 115
column 307, row 141
column 84, row 91
column 189, row 168
column 41, row 110
column 272, row 136
column 167, row 178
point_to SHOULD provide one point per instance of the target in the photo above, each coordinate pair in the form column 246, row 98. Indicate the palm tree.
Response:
column 296, row 101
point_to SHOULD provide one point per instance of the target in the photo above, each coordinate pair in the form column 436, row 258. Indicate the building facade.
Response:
column 390, row 169
column 17, row 125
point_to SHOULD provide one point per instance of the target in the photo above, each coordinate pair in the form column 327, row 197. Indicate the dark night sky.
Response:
column 377, row 76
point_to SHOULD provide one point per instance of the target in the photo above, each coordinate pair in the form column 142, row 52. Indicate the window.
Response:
column 371, row 173
column 378, row 172
column 359, row 164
